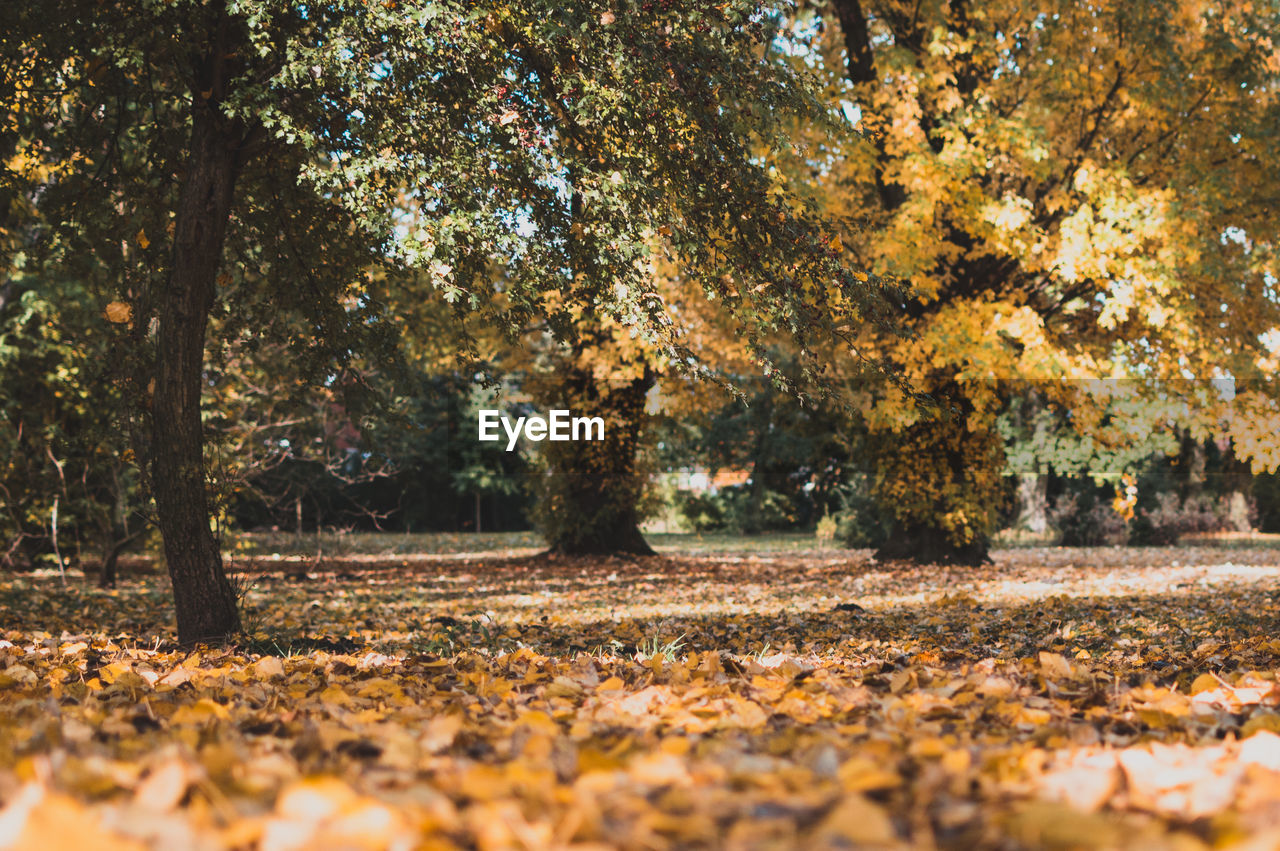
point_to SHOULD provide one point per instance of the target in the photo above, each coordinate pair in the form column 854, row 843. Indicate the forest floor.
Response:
column 758, row 697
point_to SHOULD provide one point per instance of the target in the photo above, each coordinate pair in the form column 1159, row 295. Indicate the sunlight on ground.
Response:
column 1057, row 698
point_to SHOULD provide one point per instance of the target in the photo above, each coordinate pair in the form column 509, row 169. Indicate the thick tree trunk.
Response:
column 1192, row 459
column 203, row 598
column 925, row 544
column 594, row 487
column 939, row 484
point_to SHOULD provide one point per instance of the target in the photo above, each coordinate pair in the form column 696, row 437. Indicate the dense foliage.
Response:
column 155, row 144
column 1074, row 191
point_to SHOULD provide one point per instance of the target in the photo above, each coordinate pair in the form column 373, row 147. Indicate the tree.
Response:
column 1073, row 191
column 66, row 484
column 589, row 493
column 1116, row 433
column 796, row 457
column 196, row 139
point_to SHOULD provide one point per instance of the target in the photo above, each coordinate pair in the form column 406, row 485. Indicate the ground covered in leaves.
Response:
column 1058, row 698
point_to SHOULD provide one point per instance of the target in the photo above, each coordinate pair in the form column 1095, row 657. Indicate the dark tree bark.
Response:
column 1192, row 460
column 925, row 544
column 594, row 487
column 756, row 496
column 111, row 555
column 203, row 598
column 938, row 483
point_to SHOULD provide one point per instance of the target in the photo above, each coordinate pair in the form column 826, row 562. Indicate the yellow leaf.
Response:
column 110, row 673
column 564, row 687
column 1203, row 683
column 17, row 675
column 165, row 786
column 315, row 799
column 900, row 681
column 1262, row 722
column 201, row 712
column 142, row 240
column 440, row 732
column 38, row 821
column 862, row 775
column 484, row 783
column 268, row 667
column 1055, row 666
column 118, row 312
column 858, row 821
column 1053, row 825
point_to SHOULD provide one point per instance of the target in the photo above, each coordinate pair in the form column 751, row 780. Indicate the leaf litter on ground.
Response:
column 1055, row 699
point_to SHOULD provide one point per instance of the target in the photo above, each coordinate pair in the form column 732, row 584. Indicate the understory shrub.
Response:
column 1171, row 518
column 704, row 512
column 730, row 508
column 1084, row 521
column 859, row 524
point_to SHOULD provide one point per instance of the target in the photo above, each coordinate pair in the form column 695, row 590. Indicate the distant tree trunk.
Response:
column 592, row 489
column 203, row 598
column 1237, row 487
column 938, row 483
column 753, row 522
column 478, row 505
column 110, row 561
column 1033, row 502
column 1192, row 457
column 121, row 538
column 1032, row 498
column 925, row 543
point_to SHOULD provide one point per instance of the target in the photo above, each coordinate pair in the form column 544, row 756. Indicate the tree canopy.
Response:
column 254, row 161
column 1073, row 191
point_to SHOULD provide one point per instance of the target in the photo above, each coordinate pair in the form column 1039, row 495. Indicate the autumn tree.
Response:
column 67, row 487
column 197, row 138
column 1073, row 191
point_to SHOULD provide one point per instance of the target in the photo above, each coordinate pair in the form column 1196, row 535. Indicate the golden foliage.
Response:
column 695, row 701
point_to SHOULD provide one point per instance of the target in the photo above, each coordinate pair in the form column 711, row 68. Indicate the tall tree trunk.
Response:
column 1192, row 458
column 593, row 488
column 203, row 598
column 755, row 498
column 926, row 543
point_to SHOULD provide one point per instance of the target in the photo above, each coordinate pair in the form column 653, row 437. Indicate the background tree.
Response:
column 198, row 135
column 1073, row 191
column 67, row 487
